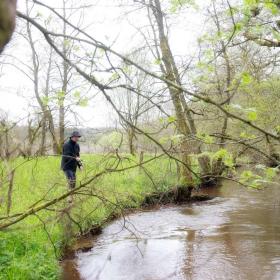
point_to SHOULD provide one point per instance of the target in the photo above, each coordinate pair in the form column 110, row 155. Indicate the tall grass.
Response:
column 31, row 248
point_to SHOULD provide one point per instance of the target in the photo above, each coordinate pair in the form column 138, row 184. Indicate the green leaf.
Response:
column 252, row 116
column 66, row 42
column 246, row 78
column 45, row 100
column 225, row 156
column 272, row 7
column 114, row 76
column 126, row 69
column 83, row 102
column 239, row 26
column 270, row 173
column 38, row 15
column 220, row 154
column 277, row 128
column 176, row 139
column 178, row 4
column 250, row 179
column 206, row 138
column 171, row 119
column 77, row 94
column 228, row 161
column 157, row 61
column 250, row 3
column 246, row 135
column 60, row 95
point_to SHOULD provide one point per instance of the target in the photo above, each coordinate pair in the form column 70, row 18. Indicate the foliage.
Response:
column 227, row 108
column 254, row 180
column 112, row 140
column 175, row 5
column 26, row 250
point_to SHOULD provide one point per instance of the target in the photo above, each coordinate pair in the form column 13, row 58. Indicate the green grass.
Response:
column 31, row 248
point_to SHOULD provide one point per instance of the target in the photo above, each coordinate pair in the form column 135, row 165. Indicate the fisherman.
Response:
column 71, row 158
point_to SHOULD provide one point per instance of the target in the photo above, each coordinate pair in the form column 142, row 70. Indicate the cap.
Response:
column 75, row 134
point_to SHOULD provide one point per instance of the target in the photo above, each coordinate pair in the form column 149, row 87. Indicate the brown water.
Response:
column 234, row 236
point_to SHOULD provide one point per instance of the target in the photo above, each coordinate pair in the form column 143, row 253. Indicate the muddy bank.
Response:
column 176, row 195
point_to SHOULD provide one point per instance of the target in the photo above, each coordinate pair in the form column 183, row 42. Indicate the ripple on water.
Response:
column 231, row 237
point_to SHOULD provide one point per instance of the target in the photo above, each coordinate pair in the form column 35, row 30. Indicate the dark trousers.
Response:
column 71, row 178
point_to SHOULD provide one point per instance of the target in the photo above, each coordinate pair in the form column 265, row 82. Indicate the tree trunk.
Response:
column 171, row 73
column 63, row 90
column 10, row 191
column 131, row 136
column 55, row 144
column 218, row 165
column 35, row 70
column 42, row 149
column 273, row 154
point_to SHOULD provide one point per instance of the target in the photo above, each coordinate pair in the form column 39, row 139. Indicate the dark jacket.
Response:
column 70, row 151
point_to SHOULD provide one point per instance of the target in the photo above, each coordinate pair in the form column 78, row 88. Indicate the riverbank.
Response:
column 32, row 248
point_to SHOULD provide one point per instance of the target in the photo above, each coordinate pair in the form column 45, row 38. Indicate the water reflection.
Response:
column 234, row 236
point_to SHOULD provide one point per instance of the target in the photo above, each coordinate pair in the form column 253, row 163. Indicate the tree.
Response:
column 134, row 102
column 7, row 21
column 108, row 63
column 265, row 33
column 52, row 81
column 184, row 119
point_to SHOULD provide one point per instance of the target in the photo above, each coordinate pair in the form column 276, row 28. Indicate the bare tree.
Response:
column 134, row 103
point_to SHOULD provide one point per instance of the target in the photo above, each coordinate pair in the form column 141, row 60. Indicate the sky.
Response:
column 106, row 21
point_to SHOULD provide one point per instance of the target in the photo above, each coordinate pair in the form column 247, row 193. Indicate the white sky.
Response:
column 106, row 24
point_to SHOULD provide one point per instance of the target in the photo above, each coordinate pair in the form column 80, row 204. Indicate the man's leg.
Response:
column 71, row 178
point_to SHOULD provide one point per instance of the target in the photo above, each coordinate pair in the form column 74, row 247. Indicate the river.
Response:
column 236, row 235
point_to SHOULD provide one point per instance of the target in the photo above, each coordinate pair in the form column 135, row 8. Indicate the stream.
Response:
column 236, row 235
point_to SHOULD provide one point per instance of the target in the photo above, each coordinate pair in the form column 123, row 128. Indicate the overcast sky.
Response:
column 106, row 22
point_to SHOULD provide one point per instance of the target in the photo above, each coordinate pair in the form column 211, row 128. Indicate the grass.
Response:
column 31, row 248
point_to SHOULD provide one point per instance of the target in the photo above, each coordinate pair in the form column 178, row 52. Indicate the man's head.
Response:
column 75, row 136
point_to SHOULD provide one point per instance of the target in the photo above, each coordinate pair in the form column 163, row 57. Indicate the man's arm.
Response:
column 67, row 152
column 78, row 150
column 80, row 164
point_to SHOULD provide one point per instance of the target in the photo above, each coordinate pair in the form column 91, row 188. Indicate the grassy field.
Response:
column 31, row 248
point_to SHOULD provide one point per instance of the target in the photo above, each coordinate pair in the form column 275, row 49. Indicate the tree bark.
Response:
column 7, row 21
column 35, row 71
column 10, row 191
column 63, row 89
column 171, row 73
column 131, row 137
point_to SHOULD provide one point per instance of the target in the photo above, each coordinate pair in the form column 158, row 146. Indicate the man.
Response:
column 71, row 158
